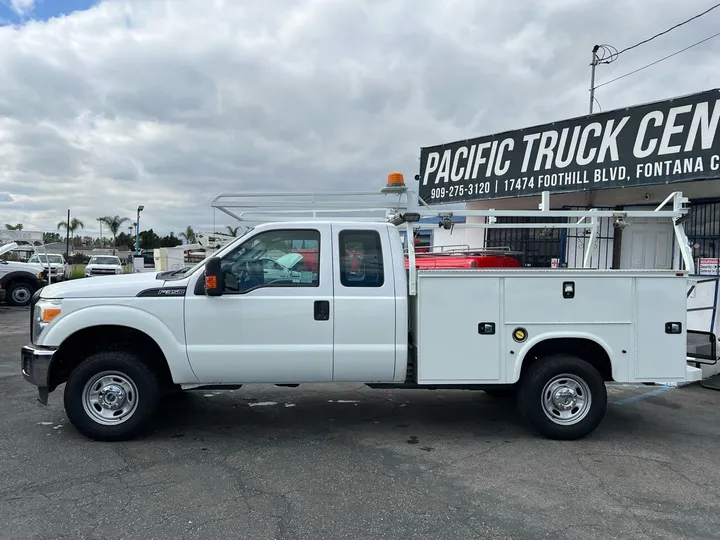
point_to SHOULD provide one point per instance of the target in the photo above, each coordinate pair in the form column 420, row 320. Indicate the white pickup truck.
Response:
column 353, row 313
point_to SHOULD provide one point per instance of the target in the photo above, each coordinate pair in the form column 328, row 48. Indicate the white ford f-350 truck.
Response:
column 351, row 312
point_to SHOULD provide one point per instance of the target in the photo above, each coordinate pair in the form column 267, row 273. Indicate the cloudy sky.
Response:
column 107, row 105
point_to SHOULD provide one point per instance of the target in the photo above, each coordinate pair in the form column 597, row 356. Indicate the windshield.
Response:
column 104, row 260
column 54, row 259
column 192, row 269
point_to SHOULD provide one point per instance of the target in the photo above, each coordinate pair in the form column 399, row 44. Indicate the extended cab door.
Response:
column 266, row 327
column 364, row 310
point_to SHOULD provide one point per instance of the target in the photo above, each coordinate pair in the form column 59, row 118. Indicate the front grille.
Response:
column 101, row 272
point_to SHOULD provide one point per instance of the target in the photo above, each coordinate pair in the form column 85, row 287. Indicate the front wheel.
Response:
column 563, row 397
column 111, row 396
column 19, row 293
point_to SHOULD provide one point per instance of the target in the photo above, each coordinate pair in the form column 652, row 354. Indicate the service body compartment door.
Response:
column 661, row 344
column 458, row 329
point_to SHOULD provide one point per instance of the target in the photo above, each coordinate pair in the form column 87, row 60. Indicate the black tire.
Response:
column 19, row 293
column 131, row 373
column 565, row 371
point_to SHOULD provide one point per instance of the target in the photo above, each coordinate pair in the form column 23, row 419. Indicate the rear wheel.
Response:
column 563, row 397
column 111, row 396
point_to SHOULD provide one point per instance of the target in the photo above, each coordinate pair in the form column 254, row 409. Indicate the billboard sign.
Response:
column 655, row 143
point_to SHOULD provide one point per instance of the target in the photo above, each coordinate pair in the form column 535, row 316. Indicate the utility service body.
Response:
column 656, row 143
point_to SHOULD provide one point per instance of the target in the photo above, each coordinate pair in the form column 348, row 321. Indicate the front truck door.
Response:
column 267, row 328
column 364, row 308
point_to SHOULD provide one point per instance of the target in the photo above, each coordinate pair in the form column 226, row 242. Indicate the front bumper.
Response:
column 35, row 365
column 2, row 295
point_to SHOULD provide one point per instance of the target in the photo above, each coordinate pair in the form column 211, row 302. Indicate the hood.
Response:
column 122, row 285
column 8, row 247
column 10, row 266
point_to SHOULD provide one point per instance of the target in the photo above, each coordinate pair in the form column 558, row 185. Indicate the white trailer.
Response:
column 351, row 312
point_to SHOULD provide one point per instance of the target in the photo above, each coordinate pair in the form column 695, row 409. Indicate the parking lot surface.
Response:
column 343, row 461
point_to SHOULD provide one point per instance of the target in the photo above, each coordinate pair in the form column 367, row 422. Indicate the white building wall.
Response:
column 443, row 239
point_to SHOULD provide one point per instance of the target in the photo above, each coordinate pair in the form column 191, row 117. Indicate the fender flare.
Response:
column 23, row 275
column 549, row 336
column 172, row 346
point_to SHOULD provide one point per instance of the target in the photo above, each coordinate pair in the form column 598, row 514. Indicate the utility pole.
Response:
column 593, row 65
column 137, row 230
column 67, row 237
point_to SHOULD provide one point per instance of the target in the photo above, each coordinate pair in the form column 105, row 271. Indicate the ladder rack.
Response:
column 296, row 206
column 392, row 203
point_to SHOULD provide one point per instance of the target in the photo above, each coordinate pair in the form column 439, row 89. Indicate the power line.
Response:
column 658, row 61
column 668, row 30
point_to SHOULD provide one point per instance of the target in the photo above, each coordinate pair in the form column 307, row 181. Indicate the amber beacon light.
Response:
column 395, row 183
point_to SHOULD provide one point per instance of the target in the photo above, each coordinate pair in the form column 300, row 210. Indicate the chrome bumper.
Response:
column 35, row 366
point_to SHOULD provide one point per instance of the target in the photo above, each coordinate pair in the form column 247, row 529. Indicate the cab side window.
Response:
column 361, row 259
column 272, row 259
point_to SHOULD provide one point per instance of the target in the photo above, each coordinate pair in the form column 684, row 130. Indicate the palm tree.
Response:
column 71, row 227
column 18, row 227
column 114, row 223
column 232, row 230
column 188, row 234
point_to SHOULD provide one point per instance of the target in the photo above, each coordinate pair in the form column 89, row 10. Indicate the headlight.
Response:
column 45, row 311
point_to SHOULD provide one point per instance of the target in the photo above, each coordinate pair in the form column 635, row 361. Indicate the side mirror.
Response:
column 213, row 277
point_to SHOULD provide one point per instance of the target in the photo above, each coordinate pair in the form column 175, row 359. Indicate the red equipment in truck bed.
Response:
column 463, row 261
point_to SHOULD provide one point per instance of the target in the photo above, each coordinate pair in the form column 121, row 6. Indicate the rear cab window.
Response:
column 361, row 259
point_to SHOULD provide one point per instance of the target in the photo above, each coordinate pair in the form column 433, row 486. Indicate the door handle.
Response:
column 486, row 328
column 322, row 310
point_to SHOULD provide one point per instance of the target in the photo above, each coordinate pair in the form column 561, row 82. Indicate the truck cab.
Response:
column 338, row 320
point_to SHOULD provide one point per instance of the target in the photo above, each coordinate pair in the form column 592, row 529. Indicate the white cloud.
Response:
column 166, row 103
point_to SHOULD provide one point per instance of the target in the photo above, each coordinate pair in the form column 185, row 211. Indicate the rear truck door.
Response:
column 266, row 328
column 364, row 304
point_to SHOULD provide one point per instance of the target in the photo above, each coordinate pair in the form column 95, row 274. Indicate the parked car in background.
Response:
column 56, row 268
column 103, row 265
column 19, row 280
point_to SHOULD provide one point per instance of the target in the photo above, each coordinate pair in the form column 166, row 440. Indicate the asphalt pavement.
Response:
column 347, row 462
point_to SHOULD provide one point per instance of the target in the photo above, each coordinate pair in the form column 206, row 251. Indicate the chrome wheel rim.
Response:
column 566, row 399
column 110, row 398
